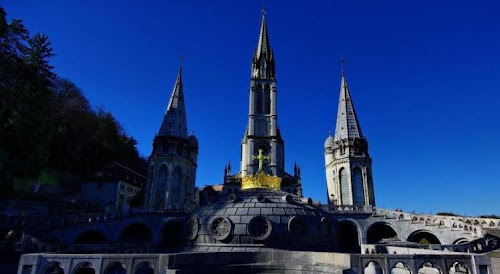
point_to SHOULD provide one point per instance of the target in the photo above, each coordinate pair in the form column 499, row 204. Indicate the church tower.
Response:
column 173, row 162
column 347, row 162
column 262, row 131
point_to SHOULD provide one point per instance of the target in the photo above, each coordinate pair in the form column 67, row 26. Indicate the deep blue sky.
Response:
column 424, row 77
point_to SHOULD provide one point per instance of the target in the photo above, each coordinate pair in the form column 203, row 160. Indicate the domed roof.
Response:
column 261, row 218
column 193, row 140
column 329, row 141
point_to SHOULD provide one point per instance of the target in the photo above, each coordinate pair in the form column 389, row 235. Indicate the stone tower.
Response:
column 262, row 131
column 347, row 162
column 173, row 162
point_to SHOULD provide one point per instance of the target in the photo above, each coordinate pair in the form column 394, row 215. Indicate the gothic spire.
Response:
column 263, row 59
column 347, row 120
column 174, row 121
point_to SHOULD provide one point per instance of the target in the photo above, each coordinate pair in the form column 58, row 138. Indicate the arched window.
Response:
column 258, row 99
column 345, row 194
column 358, row 191
column 267, row 99
column 176, row 189
column 161, row 184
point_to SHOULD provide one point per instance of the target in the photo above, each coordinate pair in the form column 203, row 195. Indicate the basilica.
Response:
column 257, row 220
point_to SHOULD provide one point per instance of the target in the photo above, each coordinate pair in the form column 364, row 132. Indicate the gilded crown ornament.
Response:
column 261, row 179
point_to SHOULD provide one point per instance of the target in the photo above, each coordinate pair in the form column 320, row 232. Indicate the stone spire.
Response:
column 174, row 121
column 347, row 120
column 263, row 59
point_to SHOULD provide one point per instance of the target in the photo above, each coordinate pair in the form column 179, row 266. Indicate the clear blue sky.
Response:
column 424, row 77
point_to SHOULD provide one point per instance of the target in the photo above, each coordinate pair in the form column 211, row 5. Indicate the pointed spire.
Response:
column 263, row 59
column 174, row 121
column 263, row 47
column 347, row 120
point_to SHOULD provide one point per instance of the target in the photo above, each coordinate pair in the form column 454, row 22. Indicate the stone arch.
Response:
column 468, row 221
column 137, row 232
column 400, row 268
column 91, row 237
column 373, row 268
column 345, row 193
column 84, row 268
column 423, row 237
column 115, row 268
column 460, row 241
column 380, row 231
column 429, row 268
column 349, row 237
column 171, row 234
column 358, row 190
column 144, row 268
column 53, row 268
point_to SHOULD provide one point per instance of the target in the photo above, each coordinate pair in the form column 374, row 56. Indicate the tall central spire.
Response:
column 263, row 58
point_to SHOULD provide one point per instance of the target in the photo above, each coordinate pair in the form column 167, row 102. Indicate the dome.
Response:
column 193, row 140
column 261, row 218
column 329, row 141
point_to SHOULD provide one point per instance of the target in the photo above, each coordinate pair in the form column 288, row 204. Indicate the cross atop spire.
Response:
column 174, row 121
column 347, row 120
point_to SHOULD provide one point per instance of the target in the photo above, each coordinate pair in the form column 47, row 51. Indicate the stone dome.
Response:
column 329, row 141
column 259, row 218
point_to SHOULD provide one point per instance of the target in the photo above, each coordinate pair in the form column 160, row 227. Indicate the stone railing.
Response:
column 350, row 209
column 29, row 243
column 451, row 222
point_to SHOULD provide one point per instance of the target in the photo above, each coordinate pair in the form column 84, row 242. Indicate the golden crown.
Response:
column 261, row 180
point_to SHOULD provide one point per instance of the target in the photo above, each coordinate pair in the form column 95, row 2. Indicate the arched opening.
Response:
column 345, row 193
column 428, row 268
column 84, row 268
column 54, row 268
column 137, row 233
column 258, row 99
column 267, row 99
column 115, row 268
column 458, row 268
column 172, row 234
column 358, row 191
column 373, row 268
column 161, row 186
column 380, row 232
column 423, row 238
column 144, row 268
column 348, row 237
column 176, row 188
column 91, row 237
column 400, row 268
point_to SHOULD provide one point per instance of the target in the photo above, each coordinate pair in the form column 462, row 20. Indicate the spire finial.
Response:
column 263, row 10
column 181, row 60
column 342, row 65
